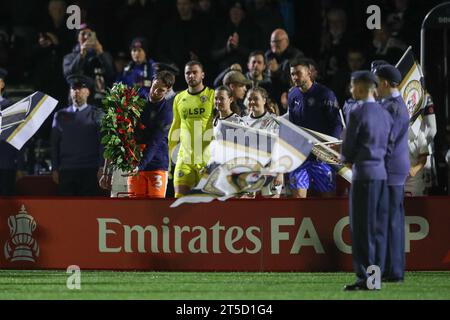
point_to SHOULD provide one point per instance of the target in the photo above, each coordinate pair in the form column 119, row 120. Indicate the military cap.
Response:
column 390, row 73
column 376, row 64
column 364, row 75
column 80, row 81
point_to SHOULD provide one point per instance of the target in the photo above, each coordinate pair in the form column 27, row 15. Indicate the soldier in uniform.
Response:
column 76, row 149
column 397, row 166
column 364, row 148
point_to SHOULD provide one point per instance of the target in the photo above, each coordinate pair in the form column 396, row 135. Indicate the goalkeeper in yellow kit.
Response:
column 192, row 128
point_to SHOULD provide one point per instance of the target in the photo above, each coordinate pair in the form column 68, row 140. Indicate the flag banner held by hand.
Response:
column 248, row 159
column 412, row 85
column 19, row 122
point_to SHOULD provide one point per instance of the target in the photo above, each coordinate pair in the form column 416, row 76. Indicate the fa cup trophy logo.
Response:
column 21, row 246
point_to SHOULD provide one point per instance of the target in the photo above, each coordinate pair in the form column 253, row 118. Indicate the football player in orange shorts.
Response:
column 152, row 172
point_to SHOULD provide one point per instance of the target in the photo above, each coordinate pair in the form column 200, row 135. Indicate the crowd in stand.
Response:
column 246, row 46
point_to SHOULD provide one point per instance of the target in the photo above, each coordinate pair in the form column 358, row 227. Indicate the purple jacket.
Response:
column 366, row 140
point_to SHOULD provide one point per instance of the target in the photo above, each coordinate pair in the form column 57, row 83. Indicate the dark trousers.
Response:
column 78, row 182
column 368, row 221
column 7, row 182
column 395, row 256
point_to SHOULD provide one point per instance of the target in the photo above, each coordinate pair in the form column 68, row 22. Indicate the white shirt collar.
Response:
column 80, row 108
column 367, row 100
column 395, row 94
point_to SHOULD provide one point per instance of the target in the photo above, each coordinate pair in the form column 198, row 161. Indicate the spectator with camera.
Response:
column 89, row 59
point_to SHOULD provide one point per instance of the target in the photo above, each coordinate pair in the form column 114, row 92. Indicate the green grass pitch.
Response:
column 24, row 284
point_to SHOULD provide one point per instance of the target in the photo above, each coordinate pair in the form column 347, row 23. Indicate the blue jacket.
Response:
column 347, row 108
column 366, row 141
column 317, row 109
column 157, row 119
column 139, row 74
column 397, row 157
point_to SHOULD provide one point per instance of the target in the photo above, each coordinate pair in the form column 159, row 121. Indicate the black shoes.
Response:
column 357, row 286
column 361, row 285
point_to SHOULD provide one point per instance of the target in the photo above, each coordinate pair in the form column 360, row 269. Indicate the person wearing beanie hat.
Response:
column 397, row 166
column 140, row 70
column 364, row 148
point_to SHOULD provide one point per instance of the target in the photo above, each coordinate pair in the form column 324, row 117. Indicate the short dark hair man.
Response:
column 313, row 106
column 258, row 73
column 152, row 175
